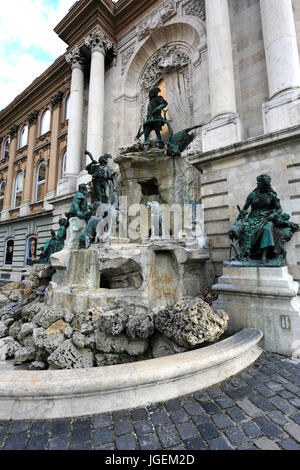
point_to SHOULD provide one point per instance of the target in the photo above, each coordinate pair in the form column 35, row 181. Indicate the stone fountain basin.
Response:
column 79, row 392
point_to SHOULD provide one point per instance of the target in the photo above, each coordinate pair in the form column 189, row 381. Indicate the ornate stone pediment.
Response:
column 167, row 59
column 157, row 18
column 196, row 8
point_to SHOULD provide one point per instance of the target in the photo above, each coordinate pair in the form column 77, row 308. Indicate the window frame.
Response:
column 21, row 144
column 63, row 162
column 15, row 189
column 42, row 132
column 3, row 182
column 39, row 183
column 67, row 107
column 29, row 237
column 5, row 252
column 4, row 147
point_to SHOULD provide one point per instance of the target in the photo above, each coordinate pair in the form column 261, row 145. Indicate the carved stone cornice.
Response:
column 196, row 8
column 75, row 58
column 98, row 41
column 57, row 99
column 157, row 18
column 13, row 131
column 32, row 117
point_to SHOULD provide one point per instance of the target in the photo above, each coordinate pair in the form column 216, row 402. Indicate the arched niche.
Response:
column 175, row 49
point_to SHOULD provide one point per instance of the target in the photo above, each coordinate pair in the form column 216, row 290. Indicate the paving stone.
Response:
column 143, row 427
column 201, row 396
column 40, row 427
column 265, row 391
column 37, row 442
column 277, row 417
column 167, row 435
column 195, row 444
column 105, row 447
column 294, row 430
column 126, row 442
column 187, row 430
column 249, row 408
column 123, row 427
column 283, row 405
column 15, row 441
column 159, row 417
column 214, row 392
column 246, row 446
column 266, row 444
column 296, row 418
column 84, row 446
column 251, row 430
column 262, row 403
column 139, row 414
column 208, row 431
column 210, row 408
column 80, row 435
column 19, row 426
column 295, row 402
column 102, row 421
column 286, row 395
column 236, row 436
column 4, row 425
column 60, row 443
column 103, row 436
column 201, row 419
column 2, row 437
column 236, row 414
column 289, row 444
column 225, row 402
column 149, row 442
column 222, row 421
column 60, row 428
column 120, row 415
column 276, row 387
column 81, row 423
column 249, row 391
column 268, row 428
column 179, row 417
column 219, row 444
column 193, row 408
column 172, row 405
column 178, row 447
column 235, row 394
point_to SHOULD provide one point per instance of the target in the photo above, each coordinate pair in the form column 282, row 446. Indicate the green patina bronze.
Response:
column 102, row 175
column 258, row 238
column 79, row 206
column 55, row 244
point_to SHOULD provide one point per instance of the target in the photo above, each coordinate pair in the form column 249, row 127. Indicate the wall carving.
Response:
column 173, row 64
column 125, row 58
column 157, row 18
column 196, row 8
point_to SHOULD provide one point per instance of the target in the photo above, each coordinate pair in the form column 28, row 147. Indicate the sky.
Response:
column 28, row 44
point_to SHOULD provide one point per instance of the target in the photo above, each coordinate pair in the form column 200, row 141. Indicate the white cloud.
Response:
column 28, row 44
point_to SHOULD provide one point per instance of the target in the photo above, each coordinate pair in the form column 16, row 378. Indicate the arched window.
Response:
column 5, row 150
column 2, row 191
column 40, row 182
column 23, row 136
column 45, row 121
column 31, row 248
column 67, row 108
column 9, row 251
column 18, row 190
column 63, row 165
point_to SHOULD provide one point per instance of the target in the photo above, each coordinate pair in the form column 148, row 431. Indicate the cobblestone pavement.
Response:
column 257, row 409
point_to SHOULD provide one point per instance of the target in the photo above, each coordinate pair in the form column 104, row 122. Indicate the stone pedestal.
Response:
column 263, row 298
column 222, row 131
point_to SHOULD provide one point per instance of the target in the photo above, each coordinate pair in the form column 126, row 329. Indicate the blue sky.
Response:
column 28, row 45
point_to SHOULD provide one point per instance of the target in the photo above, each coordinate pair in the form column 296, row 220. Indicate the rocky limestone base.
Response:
column 190, row 323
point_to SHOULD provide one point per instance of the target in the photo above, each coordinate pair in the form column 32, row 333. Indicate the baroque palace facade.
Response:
column 231, row 65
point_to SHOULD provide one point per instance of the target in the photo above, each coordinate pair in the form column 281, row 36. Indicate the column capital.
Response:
column 75, row 58
column 56, row 99
column 13, row 131
column 32, row 117
column 98, row 41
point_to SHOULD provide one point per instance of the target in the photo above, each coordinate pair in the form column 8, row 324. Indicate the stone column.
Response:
column 224, row 127
column 28, row 181
column 74, row 145
column 53, row 164
column 9, row 191
column 98, row 44
column 282, row 60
